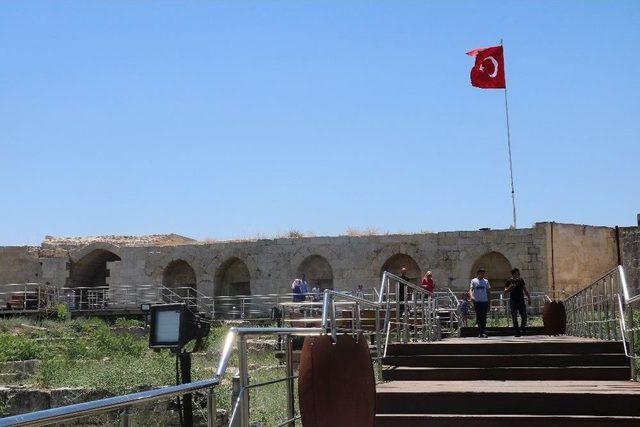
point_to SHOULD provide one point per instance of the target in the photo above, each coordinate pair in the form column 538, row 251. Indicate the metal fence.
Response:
column 606, row 309
column 34, row 297
column 394, row 320
column 27, row 296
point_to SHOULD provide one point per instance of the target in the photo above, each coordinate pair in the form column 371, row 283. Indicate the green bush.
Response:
column 16, row 347
column 62, row 312
column 110, row 344
column 122, row 322
column 115, row 375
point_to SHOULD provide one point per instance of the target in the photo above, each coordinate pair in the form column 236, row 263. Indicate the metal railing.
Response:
column 411, row 318
column 195, row 300
column 500, row 308
column 101, row 298
column 39, row 297
column 27, row 296
column 605, row 310
column 258, row 307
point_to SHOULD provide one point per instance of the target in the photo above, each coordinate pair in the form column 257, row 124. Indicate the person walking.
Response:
column 304, row 286
column 517, row 289
column 480, row 294
column 360, row 291
column 427, row 283
column 316, row 292
column 296, row 288
column 464, row 310
column 401, row 296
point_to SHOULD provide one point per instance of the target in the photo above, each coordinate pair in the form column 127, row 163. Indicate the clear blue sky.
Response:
column 236, row 118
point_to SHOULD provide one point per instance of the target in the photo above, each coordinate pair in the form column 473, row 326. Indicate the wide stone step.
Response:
column 505, row 346
column 448, row 420
column 590, row 398
column 515, row 360
column 571, row 373
column 500, row 331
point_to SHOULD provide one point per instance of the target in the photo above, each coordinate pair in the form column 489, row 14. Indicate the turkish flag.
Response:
column 488, row 71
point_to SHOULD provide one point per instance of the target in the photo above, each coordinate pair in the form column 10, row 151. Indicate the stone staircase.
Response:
column 508, row 381
column 468, row 332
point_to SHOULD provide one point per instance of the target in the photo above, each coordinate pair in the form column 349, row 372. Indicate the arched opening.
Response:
column 397, row 262
column 233, row 278
column 498, row 268
column 179, row 276
column 92, row 269
column 316, row 270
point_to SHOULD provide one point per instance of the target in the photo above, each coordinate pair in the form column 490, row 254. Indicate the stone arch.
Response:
column 78, row 254
column 232, row 278
column 89, row 266
column 498, row 268
column 179, row 274
column 397, row 262
column 316, row 268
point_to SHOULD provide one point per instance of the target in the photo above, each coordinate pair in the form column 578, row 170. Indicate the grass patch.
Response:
column 115, row 358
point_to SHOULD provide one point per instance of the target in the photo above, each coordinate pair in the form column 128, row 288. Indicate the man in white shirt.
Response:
column 480, row 293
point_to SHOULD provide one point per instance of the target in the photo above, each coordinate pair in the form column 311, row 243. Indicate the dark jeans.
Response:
column 401, row 296
column 518, row 306
column 481, row 315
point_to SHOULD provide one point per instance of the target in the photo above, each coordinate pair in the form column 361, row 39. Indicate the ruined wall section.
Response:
column 19, row 264
column 562, row 255
column 273, row 264
column 631, row 256
column 578, row 254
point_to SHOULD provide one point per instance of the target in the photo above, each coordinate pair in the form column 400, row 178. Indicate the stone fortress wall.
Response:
column 551, row 256
column 632, row 258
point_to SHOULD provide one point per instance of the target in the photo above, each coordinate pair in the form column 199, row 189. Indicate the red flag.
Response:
column 488, row 71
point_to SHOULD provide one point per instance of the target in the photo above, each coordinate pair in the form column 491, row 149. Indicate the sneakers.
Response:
column 483, row 336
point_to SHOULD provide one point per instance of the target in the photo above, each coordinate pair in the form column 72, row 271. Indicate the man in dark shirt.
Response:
column 402, row 287
column 517, row 289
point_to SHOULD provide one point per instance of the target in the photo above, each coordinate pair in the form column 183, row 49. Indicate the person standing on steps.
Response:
column 296, row 289
column 480, row 294
column 316, row 292
column 427, row 283
column 304, row 286
column 517, row 289
column 464, row 310
column 403, row 276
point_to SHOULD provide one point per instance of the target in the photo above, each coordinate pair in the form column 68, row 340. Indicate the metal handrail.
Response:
column 94, row 407
column 623, row 327
column 454, row 297
column 604, row 309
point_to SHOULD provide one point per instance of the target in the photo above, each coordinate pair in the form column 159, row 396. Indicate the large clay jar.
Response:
column 336, row 384
column 554, row 318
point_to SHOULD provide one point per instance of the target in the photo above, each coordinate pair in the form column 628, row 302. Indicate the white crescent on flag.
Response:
column 495, row 66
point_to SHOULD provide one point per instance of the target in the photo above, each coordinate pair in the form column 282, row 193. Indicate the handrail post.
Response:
column 357, row 319
column 126, row 416
column 632, row 341
column 212, row 413
column 377, row 330
column 334, row 326
column 405, row 325
column 397, row 311
column 244, row 381
column 423, row 320
column 291, row 408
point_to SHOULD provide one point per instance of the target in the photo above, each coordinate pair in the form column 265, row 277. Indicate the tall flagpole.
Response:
column 506, row 110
